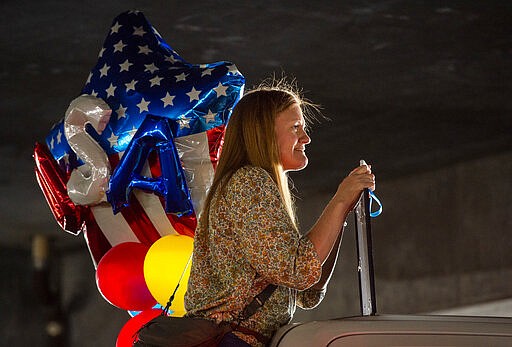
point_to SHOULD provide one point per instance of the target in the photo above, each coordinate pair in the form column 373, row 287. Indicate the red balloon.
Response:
column 52, row 180
column 120, row 277
column 127, row 334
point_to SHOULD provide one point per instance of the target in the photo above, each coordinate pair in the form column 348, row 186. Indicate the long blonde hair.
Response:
column 250, row 139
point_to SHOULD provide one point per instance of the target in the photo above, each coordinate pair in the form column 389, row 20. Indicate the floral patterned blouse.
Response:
column 251, row 242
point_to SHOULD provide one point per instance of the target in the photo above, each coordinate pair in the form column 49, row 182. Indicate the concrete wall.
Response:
column 443, row 241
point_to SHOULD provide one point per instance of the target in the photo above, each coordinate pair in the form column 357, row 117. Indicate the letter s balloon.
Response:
column 87, row 183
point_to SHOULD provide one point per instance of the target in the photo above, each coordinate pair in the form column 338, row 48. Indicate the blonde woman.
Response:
column 247, row 236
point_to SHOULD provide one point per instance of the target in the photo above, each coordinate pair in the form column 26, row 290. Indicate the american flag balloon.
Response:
column 139, row 74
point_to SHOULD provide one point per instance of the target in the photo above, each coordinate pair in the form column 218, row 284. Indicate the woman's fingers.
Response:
column 361, row 169
column 351, row 187
column 365, row 181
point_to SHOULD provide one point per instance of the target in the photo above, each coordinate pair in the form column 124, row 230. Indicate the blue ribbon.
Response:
column 374, row 214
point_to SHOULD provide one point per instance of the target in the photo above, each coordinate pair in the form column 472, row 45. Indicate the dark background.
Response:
column 420, row 89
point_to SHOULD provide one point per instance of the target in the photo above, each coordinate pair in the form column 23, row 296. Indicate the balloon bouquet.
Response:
column 131, row 162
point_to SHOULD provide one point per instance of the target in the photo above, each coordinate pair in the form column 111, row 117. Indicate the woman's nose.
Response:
column 305, row 138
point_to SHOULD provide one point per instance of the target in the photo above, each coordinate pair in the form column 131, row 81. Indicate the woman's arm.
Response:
column 329, row 264
column 326, row 233
column 266, row 236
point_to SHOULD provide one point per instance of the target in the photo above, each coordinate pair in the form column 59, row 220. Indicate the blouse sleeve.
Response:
column 268, row 239
column 310, row 298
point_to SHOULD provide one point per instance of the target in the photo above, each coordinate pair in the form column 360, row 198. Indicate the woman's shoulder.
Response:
column 251, row 173
column 248, row 183
column 250, row 178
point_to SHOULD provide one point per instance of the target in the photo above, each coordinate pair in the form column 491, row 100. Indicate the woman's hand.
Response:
column 350, row 188
column 327, row 229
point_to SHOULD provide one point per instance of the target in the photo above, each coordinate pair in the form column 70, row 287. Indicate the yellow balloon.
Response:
column 167, row 263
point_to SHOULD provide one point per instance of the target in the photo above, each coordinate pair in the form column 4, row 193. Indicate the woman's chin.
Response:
column 296, row 166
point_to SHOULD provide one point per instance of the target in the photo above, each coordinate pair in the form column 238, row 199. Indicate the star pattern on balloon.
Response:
column 144, row 82
column 138, row 73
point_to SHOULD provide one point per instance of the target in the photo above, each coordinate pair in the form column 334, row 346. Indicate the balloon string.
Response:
column 169, row 303
column 379, row 210
column 186, row 267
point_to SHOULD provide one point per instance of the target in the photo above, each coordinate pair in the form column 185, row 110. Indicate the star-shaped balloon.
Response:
column 138, row 73
column 140, row 77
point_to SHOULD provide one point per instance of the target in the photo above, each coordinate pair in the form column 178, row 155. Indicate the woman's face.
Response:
column 291, row 138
